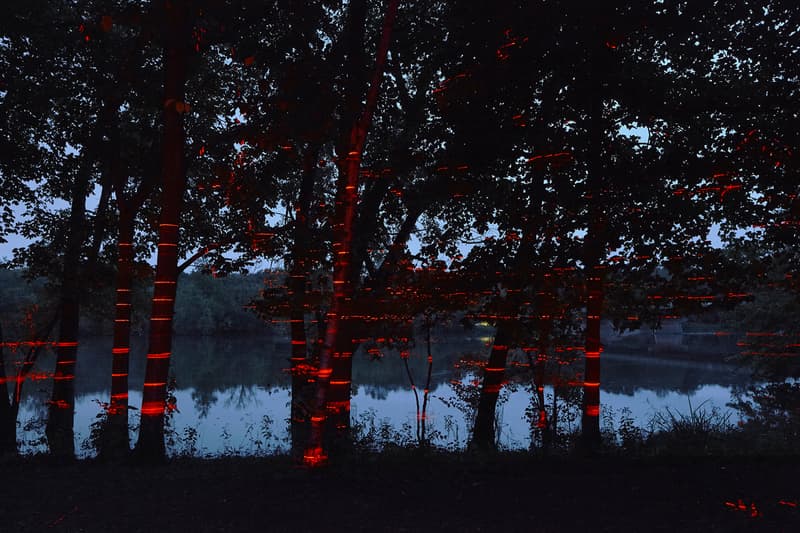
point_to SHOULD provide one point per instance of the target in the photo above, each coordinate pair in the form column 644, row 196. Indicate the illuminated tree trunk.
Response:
column 150, row 446
column 116, row 439
column 590, row 422
column 524, row 271
column 335, row 367
column 483, row 436
column 61, row 407
column 298, row 278
column 427, row 390
column 594, row 247
column 115, row 443
column 539, row 366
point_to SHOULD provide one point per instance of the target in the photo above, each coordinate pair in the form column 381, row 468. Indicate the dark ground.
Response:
column 406, row 492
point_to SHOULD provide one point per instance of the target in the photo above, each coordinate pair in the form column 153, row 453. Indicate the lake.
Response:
column 233, row 394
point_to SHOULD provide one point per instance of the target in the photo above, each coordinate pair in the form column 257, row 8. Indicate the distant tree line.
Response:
column 205, row 306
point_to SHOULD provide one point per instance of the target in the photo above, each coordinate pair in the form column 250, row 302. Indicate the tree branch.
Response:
column 198, row 254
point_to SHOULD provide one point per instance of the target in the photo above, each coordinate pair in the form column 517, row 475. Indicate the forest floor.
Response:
column 406, row 492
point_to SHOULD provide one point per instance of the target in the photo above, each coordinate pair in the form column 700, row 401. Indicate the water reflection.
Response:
column 233, row 395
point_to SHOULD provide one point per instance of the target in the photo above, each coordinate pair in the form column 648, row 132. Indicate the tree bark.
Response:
column 427, row 390
column 298, row 279
column 150, row 446
column 594, row 247
column 483, row 435
column 8, row 415
column 335, row 369
column 523, row 274
column 539, row 366
column 61, row 406
column 116, row 443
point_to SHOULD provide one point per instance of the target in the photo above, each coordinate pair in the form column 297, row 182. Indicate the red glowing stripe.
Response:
column 120, row 351
column 155, row 384
column 162, row 355
column 339, row 406
column 591, row 384
column 153, row 410
column 592, row 410
column 548, row 156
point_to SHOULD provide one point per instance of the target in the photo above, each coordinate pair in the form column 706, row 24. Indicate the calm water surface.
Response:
column 233, row 394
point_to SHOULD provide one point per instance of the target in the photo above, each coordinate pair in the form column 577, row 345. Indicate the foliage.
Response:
column 699, row 431
column 372, row 434
column 207, row 305
column 770, row 416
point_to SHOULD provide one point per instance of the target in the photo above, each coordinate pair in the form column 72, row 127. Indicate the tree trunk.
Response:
column 427, row 390
column 483, row 436
column 298, row 278
column 590, row 422
column 539, row 366
column 150, row 446
column 8, row 415
column 594, row 248
column 116, row 442
column 61, row 407
column 335, row 368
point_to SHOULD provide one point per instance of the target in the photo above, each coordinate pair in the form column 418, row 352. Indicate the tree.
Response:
column 333, row 376
column 178, row 23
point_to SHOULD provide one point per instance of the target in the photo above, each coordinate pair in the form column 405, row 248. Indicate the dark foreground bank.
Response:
column 406, row 493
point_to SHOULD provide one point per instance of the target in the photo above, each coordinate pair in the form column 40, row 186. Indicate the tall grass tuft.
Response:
column 700, row 431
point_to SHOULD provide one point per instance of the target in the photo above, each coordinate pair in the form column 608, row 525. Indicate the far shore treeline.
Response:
column 205, row 306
